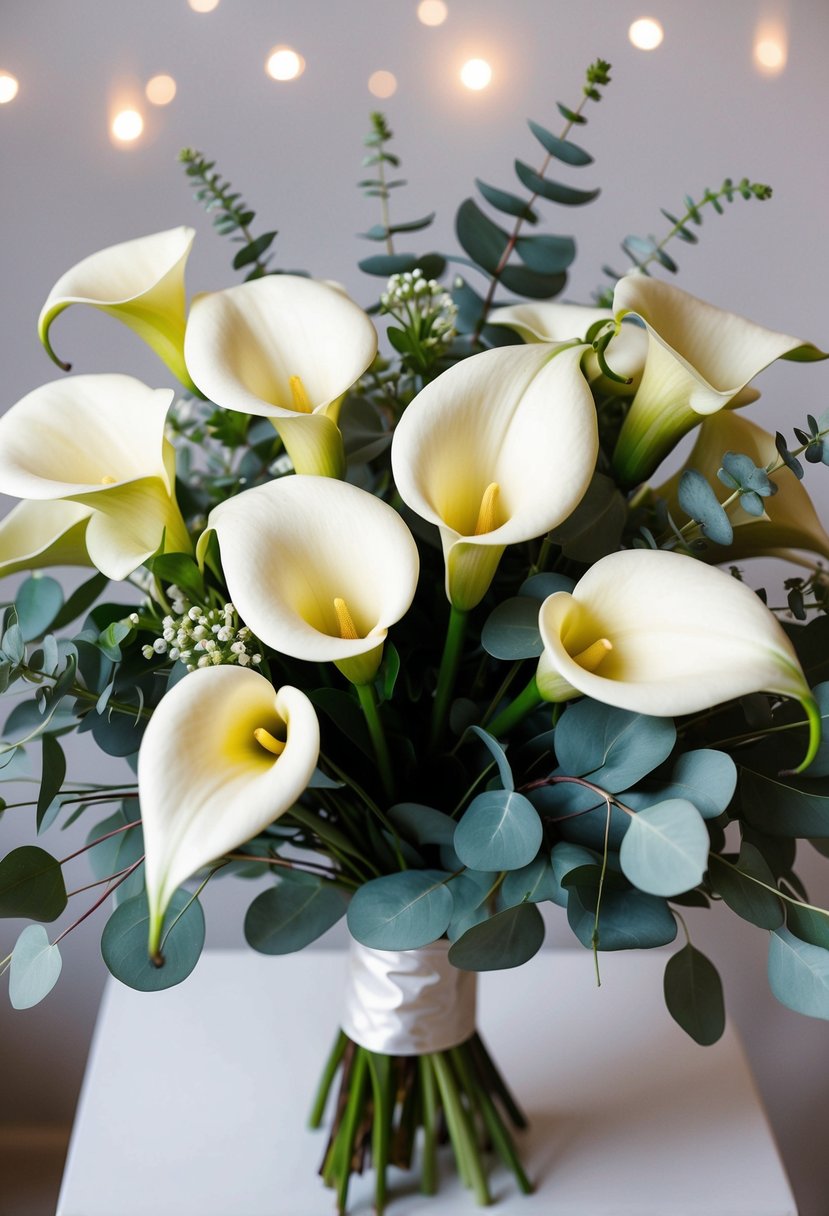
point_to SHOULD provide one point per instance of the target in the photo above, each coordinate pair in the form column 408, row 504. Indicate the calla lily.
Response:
column 286, row 348
column 38, row 534
column 699, row 359
column 546, row 321
column 318, row 569
column 140, row 282
column 661, row 633
column 224, row 755
column 495, row 451
column 790, row 520
column 95, row 441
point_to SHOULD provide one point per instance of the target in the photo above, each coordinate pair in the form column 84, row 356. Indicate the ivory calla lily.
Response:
column 139, row 282
column 224, row 755
column 495, row 451
column 790, row 521
column 546, row 321
column 38, row 534
column 661, row 633
column 286, row 348
column 318, row 569
column 699, row 359
column 98, row 442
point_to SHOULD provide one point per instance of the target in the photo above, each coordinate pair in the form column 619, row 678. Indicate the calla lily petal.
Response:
column 98, row 441
column 286, row 348
column 139, row 282
column 206, row 783
column 699, row 358
column 294, row 547
column 38, row 534
column 546, row 321
column 519, row 418
column 661, row 633
column 790, row 520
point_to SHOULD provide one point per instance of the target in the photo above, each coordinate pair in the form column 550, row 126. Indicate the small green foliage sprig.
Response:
column 426, row 316
column 542, row 260
column 232, row 217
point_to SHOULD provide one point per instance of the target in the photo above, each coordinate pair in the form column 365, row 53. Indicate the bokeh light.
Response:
column 284, row 63
column 476, row 74
column 160, row 90
column 432, row 12
column 127, row 126
column 203, row 6
column 8, row 87
column 770, row 49
column 646, row 34
column 382, row 84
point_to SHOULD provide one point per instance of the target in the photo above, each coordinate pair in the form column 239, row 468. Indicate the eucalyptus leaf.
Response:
column 535, row 883
column 507, row 939
column 469, row 902
column 482, row 239
column 628, row 919
column 498, row 755
column 564, row 858
column 594, row 529
column 556, row 192
column 422, row 824
column 509, row 203
column 35, row 968
column 125, row 936
column 799, row 974
column 291, row 915
column 665, row 849
column 511, row 630
column 53, row 776
column 530, row 283
column 500, row 830
column 539, row 586
column 401, row 911
column 784, row 805
column 694, row 996
column 809, row 924
column 546, row 253
column 561, row 149
column 38, row 602
column 614, row 748
column 735, row 883
column 31, row 884
column 699, row 502
column 705, row 777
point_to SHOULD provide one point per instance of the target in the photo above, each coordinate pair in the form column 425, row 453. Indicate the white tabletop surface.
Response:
column 195, row 1100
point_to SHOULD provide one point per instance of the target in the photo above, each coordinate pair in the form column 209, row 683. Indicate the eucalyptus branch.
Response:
column 85, row 849
column 789, row 899
column 233, row 216
column 124, row 876
column 83, row 694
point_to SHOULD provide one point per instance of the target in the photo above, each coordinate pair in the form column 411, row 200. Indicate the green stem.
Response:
column 502, row 691
column 496, row 1083
column 449, row 663
column 501, row 1139
column 368, row 704
column 429, row 1163
column 526, row 701
column 380, row 1072
column 461, row 1130
column 344, row 1145
column 333, row 1062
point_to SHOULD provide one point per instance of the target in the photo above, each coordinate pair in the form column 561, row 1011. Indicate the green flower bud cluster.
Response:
column 201, row 637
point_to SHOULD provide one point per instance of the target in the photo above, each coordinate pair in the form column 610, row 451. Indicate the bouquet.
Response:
column 427, row 636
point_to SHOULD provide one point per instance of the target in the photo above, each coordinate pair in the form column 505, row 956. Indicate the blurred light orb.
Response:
column 646, row 34
column 476, row 74
column 432, row 12
column 8, row 87
column 127, row 125
column 203, row 6
column 160, row 90
column 284, row 63
column 770, row 53
column 382, row 84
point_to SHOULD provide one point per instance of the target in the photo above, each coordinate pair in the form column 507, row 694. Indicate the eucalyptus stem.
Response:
column 449, row 664
column 526, row 701
column 368, row 704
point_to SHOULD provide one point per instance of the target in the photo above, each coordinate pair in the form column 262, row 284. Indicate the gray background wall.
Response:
column 673, row 121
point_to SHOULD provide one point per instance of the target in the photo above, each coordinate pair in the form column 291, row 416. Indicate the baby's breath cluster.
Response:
column 203, row 637
column 423, row 307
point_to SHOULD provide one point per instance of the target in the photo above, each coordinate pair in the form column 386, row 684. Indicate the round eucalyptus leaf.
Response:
column 500, row 830
column 533, row 883
column 693, row 995
column 704, row 776
column 422, row 824
column 665, row 849
column 38, row 603
column 564, row 858
column 614, row 748
column 628, row 919
column 124, row 942
column 809, row 924
column 31, row 884
column 291, row 915
column 738, row 888
column 401, row 911
column 539, row 586
column 507, row 939
column 511, row 630
column 35, row 968
column 799, row 974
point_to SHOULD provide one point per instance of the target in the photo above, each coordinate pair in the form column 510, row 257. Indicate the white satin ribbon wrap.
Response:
column 408, row 1002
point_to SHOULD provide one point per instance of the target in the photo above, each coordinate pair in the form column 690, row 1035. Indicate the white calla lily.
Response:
column 790, row 521
column 38, row 534
column 141, row 283
column 318, row 569
column 223, row 756
column 661, row 633
column 546, row 321
column 96, row 441
column 495, row 451
column 700, row 359
column 286, row 348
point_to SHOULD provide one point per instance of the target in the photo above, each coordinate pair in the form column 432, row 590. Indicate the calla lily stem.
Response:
column 449, row 663
column 524, row 703
column 368, row 704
